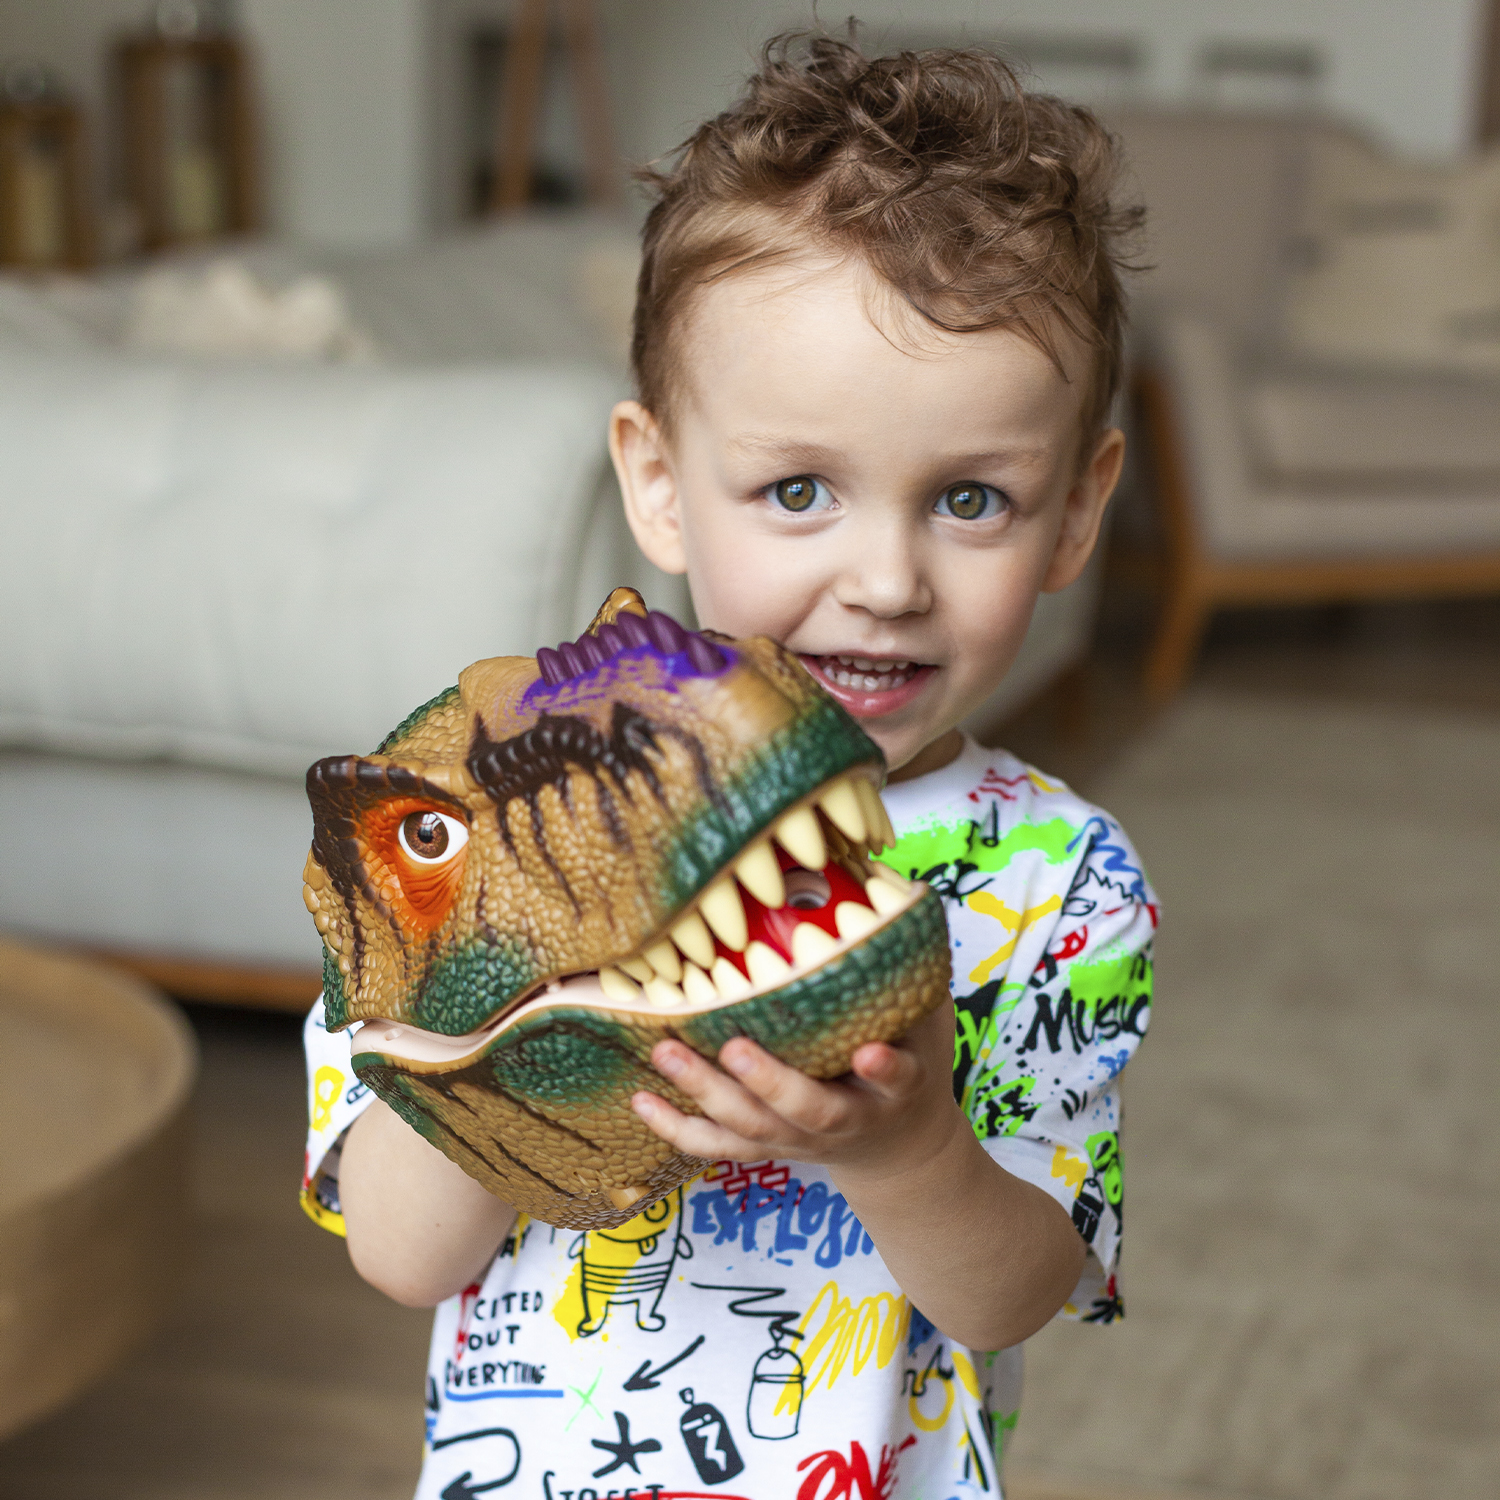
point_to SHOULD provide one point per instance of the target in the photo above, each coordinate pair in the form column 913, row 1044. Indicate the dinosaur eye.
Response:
column 433, row 837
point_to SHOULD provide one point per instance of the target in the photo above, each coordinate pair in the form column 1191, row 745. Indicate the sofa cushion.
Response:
column 1247, row 512
column 1405, row 434
column 1397, row 264
column 1218, row 190
column 255, row 566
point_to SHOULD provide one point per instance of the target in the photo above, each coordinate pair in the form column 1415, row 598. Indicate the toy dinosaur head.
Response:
column 546, row 869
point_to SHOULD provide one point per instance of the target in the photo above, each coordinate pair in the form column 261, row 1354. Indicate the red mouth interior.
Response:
column 774, row 927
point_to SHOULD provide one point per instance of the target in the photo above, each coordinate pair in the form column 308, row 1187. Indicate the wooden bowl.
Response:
column 94, row 1180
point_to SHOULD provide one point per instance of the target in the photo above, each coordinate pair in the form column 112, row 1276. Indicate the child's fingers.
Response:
column 816, row 1107
column 720, row 1097
column 692, row 1134
column 892, row 1072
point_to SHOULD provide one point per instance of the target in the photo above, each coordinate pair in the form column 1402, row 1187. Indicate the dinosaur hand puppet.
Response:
column 548, row 868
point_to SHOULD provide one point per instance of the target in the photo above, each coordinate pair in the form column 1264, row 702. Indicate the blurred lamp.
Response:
column 191, row 162
column 44, row 218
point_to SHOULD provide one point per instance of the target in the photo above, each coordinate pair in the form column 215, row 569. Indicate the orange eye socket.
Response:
column 434, row 838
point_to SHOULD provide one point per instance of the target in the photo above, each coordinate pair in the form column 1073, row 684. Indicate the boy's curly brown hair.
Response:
column 982, row 205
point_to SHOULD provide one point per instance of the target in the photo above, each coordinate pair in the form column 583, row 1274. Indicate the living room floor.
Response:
column 1309, row 1273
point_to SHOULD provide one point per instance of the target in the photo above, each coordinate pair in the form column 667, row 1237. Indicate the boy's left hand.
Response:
column 893, row 1111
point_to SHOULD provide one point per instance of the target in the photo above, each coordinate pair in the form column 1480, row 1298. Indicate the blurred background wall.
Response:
column 365, row 118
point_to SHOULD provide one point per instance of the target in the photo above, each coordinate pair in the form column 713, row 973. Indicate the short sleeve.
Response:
column 1044, row 1035
column 335, row 1099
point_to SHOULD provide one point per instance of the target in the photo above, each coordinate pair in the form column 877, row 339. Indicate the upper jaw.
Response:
column 745, row 934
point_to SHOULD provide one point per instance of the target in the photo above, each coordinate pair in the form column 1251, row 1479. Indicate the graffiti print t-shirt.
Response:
column 743, row 1338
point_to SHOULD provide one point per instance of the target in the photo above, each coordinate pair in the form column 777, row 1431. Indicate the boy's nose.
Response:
column 882, row 574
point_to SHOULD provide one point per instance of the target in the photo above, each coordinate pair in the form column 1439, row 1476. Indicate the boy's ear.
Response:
column 647, row 485
column 1083, row 511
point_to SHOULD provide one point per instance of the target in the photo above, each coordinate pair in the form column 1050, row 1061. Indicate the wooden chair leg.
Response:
column 1179, row 632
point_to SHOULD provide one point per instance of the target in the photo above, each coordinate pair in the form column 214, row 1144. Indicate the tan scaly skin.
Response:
column 550, row 869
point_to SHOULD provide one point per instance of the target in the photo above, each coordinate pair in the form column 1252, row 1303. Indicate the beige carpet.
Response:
column 1312, row 1169
column 1312, row 1222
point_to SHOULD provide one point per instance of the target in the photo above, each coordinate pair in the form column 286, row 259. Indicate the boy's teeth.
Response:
column 868, row 675
column 759, row 873
column 811, row 945
column 693, row 937
column 767, row 967
column 724, row 912
column 801, row 836
column 854, row 920
column 666, row 960
column 841, row 803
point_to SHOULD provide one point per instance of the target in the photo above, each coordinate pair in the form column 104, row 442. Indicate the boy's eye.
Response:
column 970, row 502
column 801, row 493
column 433, row 837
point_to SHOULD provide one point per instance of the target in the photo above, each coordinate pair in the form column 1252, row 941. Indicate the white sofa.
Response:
column 217, row 572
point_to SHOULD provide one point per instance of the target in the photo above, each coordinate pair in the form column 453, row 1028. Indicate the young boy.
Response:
column 877, row 338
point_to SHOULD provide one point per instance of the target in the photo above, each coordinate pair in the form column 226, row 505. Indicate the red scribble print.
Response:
column 468, row 1301
column 999, row 786
column 850, row 1478
column 735, row 1176
column 1073, row 944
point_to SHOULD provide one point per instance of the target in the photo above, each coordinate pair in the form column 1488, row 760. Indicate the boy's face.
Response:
column 882, row 498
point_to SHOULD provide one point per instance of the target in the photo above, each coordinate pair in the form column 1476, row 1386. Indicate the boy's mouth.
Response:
column 869, row 687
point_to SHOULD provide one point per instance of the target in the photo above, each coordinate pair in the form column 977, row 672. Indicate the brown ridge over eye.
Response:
column 424, row 834
column 796, row 493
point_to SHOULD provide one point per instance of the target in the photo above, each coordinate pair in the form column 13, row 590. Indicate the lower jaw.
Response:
column 866, row 705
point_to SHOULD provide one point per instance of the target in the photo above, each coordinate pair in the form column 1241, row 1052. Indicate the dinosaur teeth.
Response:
column 758, row 871
column 884, row 896
column 618, row 987
column 767, row 967
column 666, row 960
column 728, row 980
column 811, row 946
column 695, row 940
column 698, row 987
column 881, row 833
column 664, row 995
column 841, row 803
column 688, row 966
column 722, row 909
column 800, row 834
column 853, row 920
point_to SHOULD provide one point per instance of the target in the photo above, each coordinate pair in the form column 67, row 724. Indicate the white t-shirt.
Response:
column 743, row 1338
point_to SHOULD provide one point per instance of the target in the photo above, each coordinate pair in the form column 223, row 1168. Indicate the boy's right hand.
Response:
column 420, row 1229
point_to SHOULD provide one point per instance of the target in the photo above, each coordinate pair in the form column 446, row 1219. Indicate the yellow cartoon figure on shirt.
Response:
column 629, row 1264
